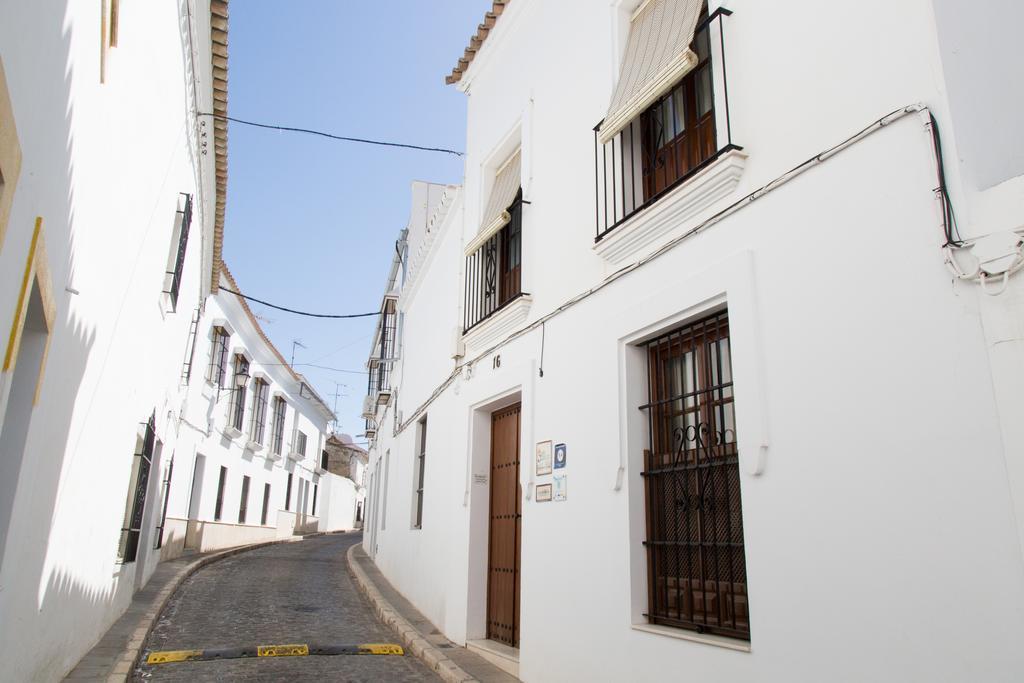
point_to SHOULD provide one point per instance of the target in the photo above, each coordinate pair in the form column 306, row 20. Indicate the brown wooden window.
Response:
column 696, row 565
column 678, row 131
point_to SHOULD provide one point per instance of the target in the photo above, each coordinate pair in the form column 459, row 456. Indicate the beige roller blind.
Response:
column 657, row 55
column 495, row 216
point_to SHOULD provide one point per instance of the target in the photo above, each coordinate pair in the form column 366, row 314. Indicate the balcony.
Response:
column 494, row 270
column 679, row 151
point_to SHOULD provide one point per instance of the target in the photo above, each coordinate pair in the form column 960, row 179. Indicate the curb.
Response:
column 130, row 657
column 413, row 640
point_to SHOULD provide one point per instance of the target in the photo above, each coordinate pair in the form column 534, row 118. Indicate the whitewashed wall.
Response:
column 204, row 433
column 882, row 522
column 103, row 166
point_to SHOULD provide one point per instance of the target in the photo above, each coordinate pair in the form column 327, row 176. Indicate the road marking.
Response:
column 290, row 650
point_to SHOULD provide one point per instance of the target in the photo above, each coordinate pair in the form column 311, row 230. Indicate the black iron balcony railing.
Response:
column 672, row 140
column 494, row 270
column 174, row 276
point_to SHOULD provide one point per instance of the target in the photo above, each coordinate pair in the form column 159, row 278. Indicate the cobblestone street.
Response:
column 287, row 593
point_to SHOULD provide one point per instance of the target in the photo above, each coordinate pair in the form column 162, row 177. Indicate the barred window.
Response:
column 218, row 507
column 243, row 503
column 217, row 372
column 237, row 412
column 277, row 437
column 259, row 410
column 696, row 565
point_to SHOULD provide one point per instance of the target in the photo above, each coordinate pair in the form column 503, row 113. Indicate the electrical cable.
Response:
column 292, row 310
column 737, row 205
column 343, row 138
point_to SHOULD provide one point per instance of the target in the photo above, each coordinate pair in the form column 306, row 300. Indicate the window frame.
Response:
column 421, row 460
column 266, row 504
column 236, row 408
column 132, row 529
column 277, row 427
column 243, row 501
column 179, row 249
column 709, row 398
column 698, row 138
column 219, row 352
column 258, row 420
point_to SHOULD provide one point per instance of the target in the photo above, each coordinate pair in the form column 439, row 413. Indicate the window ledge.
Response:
column 270, row 455
column 253, row 446
column 499, row 324
column 693, row 636
column 657, row 223
column 232, row 433
column 296, row 456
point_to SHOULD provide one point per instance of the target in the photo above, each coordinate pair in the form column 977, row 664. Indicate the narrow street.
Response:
column 287, row 593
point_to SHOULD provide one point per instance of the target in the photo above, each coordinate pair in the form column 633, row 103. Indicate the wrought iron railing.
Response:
column 174, row 276
column 660, row 149
column 493, row 271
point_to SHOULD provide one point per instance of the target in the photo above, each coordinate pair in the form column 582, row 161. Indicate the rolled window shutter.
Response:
column 506, row 187
column 657, row 55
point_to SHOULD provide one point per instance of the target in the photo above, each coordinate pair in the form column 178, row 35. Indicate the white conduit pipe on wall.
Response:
column 668, row 246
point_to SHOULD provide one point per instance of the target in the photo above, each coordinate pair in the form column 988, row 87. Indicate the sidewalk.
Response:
column 113, row 658
column 452, row 662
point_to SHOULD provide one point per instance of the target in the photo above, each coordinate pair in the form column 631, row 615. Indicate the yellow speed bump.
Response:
column 172, row 656
column 290, row 650
column 298, row 650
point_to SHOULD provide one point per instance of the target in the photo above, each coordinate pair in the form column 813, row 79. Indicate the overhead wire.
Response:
column 305, row 313
column 332, row 136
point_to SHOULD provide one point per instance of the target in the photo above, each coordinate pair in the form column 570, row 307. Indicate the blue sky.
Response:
column 311, row 223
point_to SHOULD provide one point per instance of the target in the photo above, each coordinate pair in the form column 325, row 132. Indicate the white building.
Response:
column 766, row 322
column 111, row 214
column 249, row 458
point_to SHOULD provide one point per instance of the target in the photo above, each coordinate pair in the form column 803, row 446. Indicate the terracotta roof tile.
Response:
column 219, row 39
column 476, row 41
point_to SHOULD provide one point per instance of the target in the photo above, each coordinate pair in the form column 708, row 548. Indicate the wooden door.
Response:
column 505, row 514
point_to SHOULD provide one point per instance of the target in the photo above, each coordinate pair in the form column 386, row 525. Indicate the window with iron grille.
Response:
column 421, row 460
column 163, row 513
column 288, row 494
column 135, row 507
column 266, row 504
column 300, row 443
column 259, row 409
column 494, row 271
column 243, row 503
column 176, row 260
column 277, row 438
column 217, row 372
column 219, row 506
column 237, row 408
column 315, row 487
column 696, row 564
